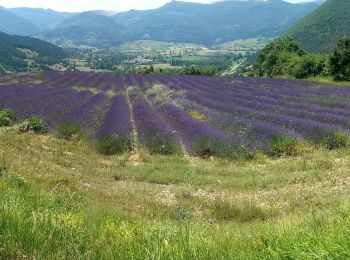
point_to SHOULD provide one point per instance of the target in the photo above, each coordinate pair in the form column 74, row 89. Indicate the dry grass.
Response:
column 153, row 181
column 240, row 195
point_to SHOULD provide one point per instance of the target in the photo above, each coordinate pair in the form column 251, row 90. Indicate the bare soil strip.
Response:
column 134, row 157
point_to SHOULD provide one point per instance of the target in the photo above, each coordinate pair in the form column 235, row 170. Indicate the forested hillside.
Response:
column 215, row 23
column 14, row 52
column 319, row 31
column 89, row 28
column 43, row 19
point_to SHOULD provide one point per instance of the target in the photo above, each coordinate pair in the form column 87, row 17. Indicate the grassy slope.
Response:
column 60, row 199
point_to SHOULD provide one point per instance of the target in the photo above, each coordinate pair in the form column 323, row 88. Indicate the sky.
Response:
column 85, row 5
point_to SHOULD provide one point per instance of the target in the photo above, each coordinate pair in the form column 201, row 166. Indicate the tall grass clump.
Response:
column 34, row 124
column 336, row 140
column 243, row 212
column 281, row 145
column 68, row 130
column 7, row 117
column 213, row 147
column 112, row 145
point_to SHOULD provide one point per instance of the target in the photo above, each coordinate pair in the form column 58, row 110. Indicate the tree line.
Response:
column 285, row 58
column 187, row 70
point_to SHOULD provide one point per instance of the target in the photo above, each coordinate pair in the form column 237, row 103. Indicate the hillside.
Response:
column 14, row 52
column 43, row 19
column 215, row 23
column 88, row 28
column 319, row 31
column 14, row 24
column 177, row 21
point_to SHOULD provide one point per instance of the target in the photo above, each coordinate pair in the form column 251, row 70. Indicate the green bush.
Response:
column 337, row 140
column 157, row 144
column 302, row 67
column 68, row 130
column 111, row 145
column 34, row 124
column 7, row 117
column 210, row 146
column 283, row 145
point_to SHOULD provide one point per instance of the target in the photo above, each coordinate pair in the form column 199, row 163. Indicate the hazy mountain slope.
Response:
column 213, row 23
column 12, row 58
column 44, row 19
column 14, row 24
column 177, row 21
column 319, row 31
column 89, row 28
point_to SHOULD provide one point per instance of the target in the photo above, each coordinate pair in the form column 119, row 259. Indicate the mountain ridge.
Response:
column 177, row 21
column 13, row 24
column 43, row 19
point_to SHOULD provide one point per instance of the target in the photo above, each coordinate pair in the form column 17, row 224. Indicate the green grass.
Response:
column 329, row 81
column 60, row 199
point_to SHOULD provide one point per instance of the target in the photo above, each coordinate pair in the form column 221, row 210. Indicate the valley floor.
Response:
column 61, row 200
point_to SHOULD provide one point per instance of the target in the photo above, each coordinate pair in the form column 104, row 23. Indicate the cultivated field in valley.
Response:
column 243, row 113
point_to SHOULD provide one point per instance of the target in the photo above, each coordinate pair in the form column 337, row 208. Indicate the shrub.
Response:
column 210, row 146
column 283, row 145
column 111, row 145
column 68, row 130
column 34, row 124
column 196, row 115
column 157, row 144
column 7, row 117
column 337, row 140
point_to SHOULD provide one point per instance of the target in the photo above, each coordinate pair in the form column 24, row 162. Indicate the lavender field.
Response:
column 245, row 112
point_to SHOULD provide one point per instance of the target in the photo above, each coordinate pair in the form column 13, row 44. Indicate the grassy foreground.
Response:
column 61, row 200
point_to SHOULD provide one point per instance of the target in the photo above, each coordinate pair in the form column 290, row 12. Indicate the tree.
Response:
column 274, row 58
column 340, row 60
column 284, row 57
column 2, row 69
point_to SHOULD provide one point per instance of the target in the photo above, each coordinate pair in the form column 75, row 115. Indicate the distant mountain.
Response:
column 104, row 12
column 14, row 24
column 319, row 31
column 15, row 52
column 43, row 19
column 88, row 28
column 177, row 21
column 214, row 23
column 320, row 1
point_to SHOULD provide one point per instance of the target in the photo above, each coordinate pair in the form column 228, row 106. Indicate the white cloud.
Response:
column 84, row 5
